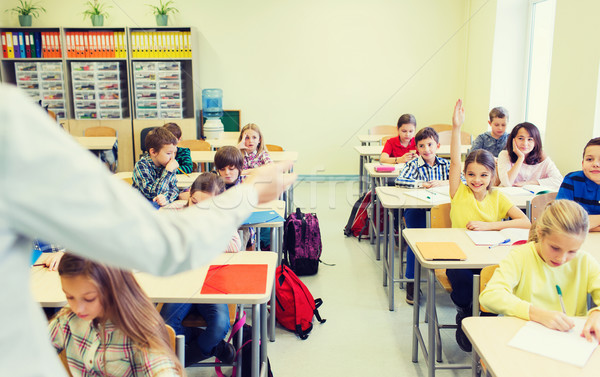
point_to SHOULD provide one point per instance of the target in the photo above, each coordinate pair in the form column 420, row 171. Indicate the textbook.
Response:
column 498, row 237
column 568, row 347
column 263, row 217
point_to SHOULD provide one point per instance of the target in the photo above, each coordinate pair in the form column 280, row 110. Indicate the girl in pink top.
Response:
column 524, row 162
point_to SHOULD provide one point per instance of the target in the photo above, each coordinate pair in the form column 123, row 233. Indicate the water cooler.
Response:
column 212, row 110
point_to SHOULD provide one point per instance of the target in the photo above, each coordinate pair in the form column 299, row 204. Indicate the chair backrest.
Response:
column 539, row 202
column 195, row 145
column 100, row 131
column 274, row 148
column 479, row 283
column 440, row 216
column 386, row 138
column 172, row 336
column 143, row 133
column 383, row 130
column 446, row 137
column 441, row 127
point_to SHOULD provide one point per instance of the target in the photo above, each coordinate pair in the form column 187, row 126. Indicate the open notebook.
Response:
column 433, row 195
column 568, row 347
column 526, row 190
column 497, row 237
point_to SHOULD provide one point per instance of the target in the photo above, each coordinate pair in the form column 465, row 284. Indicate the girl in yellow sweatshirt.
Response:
column 524, row 285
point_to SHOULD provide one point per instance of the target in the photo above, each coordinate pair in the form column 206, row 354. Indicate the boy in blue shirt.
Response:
column 434, row 171
column 583, row 186
column 154, row 175
column 494, row 141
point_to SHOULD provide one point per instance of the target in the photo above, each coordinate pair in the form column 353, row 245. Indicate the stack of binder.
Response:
column 161, row 44
column 31, row 44
column 96, row 44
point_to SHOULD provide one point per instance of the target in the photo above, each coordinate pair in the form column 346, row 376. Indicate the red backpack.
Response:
column 295, row 305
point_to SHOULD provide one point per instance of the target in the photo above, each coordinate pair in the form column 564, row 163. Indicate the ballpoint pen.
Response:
column 562, row 303
column 500, row 243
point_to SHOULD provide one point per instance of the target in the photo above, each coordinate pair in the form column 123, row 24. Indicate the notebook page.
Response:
column 568, row 347
column 428, row 196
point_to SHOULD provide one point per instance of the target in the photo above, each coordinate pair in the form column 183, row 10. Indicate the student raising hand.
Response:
column 458, row 117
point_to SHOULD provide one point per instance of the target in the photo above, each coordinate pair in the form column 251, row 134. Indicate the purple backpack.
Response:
column 302, row 243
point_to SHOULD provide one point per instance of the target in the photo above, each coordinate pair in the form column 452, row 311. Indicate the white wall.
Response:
column 313, row 74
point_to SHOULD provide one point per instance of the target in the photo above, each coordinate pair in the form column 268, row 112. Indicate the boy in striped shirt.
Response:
column 433, row 171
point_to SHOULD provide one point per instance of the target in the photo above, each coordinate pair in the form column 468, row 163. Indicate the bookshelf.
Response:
column 119, row 77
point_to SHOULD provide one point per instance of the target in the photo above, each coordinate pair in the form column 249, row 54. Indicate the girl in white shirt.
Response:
column 524, row 162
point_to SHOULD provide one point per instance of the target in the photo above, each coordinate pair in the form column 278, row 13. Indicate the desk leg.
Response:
column 415, row 341
column 377, row 234
column 276, row 247
column 431, row 325
column 386, row 243
column 372, row 229
column 400, row 245
column 263, row 334
column 360, row 174
column 255, row 340
column 391, row 257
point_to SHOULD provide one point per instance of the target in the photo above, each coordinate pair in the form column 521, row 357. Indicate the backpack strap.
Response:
column 239, row 323
column 318, row 302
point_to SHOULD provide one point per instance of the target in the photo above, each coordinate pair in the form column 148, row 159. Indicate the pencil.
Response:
column 183, row 172
column 562, row 303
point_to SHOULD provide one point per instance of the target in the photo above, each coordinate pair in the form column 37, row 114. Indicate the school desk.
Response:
column 227, row 138
column 378, row 179
column 366, row 152
column 97, row 143
column 185, row 287
column 490, row 336
column 368, row 139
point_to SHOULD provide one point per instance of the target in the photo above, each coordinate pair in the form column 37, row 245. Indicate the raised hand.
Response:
column 458, row 117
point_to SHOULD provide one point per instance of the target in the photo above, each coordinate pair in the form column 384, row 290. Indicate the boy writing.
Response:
column 494, row 141
column 434, row 171
column 154, row 174
column 183, row 156
column 583, row 186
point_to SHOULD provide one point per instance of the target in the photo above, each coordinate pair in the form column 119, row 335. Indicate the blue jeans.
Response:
column 215, row 315
column 415, row 218
column 462, row 286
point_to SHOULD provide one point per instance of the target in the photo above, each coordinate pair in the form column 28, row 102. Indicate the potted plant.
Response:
column 96, row 11
column 162, row 10
column 26, row 10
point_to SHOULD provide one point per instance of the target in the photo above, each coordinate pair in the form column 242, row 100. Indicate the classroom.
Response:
column 315, row 75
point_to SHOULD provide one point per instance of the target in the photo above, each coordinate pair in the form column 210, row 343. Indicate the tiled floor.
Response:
column 361, row 336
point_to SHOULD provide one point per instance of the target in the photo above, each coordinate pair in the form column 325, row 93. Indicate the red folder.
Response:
column 235, row 279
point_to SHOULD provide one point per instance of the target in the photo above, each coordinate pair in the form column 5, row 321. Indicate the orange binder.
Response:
column 441, row 251
column 235, row 279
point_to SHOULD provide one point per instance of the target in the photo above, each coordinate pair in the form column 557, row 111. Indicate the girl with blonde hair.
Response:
column 110, row 327
column 252, row 145
column 527, row 282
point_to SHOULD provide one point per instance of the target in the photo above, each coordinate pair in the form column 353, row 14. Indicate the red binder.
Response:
column 235, row 279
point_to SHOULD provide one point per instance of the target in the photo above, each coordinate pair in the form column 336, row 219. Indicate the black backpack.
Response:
column 302, row 243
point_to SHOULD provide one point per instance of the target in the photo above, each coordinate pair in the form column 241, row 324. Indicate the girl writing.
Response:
column 524, row 162
column 203, row 344
column 474, row 206
column 252, row 144
column 401, row 149
column 524, row 285
column 110, row 327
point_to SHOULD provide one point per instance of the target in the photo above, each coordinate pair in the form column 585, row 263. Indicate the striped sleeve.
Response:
column 184, row 159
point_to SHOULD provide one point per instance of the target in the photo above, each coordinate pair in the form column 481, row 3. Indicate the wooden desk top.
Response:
column 183, row 181
column 96, row 142
column 209, row 156
column 490, row 337
column 375, row 150
column 183, row 287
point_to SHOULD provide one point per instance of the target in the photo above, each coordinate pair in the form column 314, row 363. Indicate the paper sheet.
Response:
column 568, row 347
column 428, row 196
column 494, row 237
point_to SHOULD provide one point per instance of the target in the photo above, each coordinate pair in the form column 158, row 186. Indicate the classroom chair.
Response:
column 274, row 148
column 100, row 131
column 195, row 145
column 383, row 130
column 539, row 203
column 441, row 127
column 479, row 283
column 440, row 218
column 111, row 161
column 446, row 137
column 177, row 343
column 143, row 134
column 386, row 138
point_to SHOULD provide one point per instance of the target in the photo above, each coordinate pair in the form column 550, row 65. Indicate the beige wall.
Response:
column 573, row 82
column 312, row 73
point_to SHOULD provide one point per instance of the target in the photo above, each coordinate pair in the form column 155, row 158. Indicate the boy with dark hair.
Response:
column 583, row 186
column 432, row 171
column 183, row 156
column 228, row 164
column 154, row 174
column 494, row 141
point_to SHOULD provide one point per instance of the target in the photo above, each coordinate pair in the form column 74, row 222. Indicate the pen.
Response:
column 39, row 264
column 183, row 172
column 500, row 243
column 528, row 190
column 562, row 303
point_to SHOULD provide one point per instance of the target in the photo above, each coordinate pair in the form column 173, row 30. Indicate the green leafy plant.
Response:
column 96, row 8
column 163, row 9
column 27, row 8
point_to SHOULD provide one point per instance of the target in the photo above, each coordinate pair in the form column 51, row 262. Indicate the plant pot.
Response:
column 97, row 20
column 162, row 19
column 25, row 20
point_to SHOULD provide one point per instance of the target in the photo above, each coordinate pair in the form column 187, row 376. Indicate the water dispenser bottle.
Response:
column 212, row 110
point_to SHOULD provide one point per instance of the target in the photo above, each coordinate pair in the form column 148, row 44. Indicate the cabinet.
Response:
column 120, row 77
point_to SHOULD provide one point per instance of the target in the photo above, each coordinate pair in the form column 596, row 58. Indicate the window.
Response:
column 539, row 62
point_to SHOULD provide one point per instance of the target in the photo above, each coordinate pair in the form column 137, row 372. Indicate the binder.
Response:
column 4, row 45
column 38, row 44
column 156, row 49
column 111, row 44
column 32, row 45
column 93, row 44
column 15, row 43
column 27, row 46
column 22, row 44
column 58, row 45
column 45, row 45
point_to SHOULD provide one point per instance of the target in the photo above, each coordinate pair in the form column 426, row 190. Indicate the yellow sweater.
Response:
column 523, row 278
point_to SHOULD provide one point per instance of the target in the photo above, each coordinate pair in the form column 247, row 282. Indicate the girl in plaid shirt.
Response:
column 110, row 327
column 252, row 145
